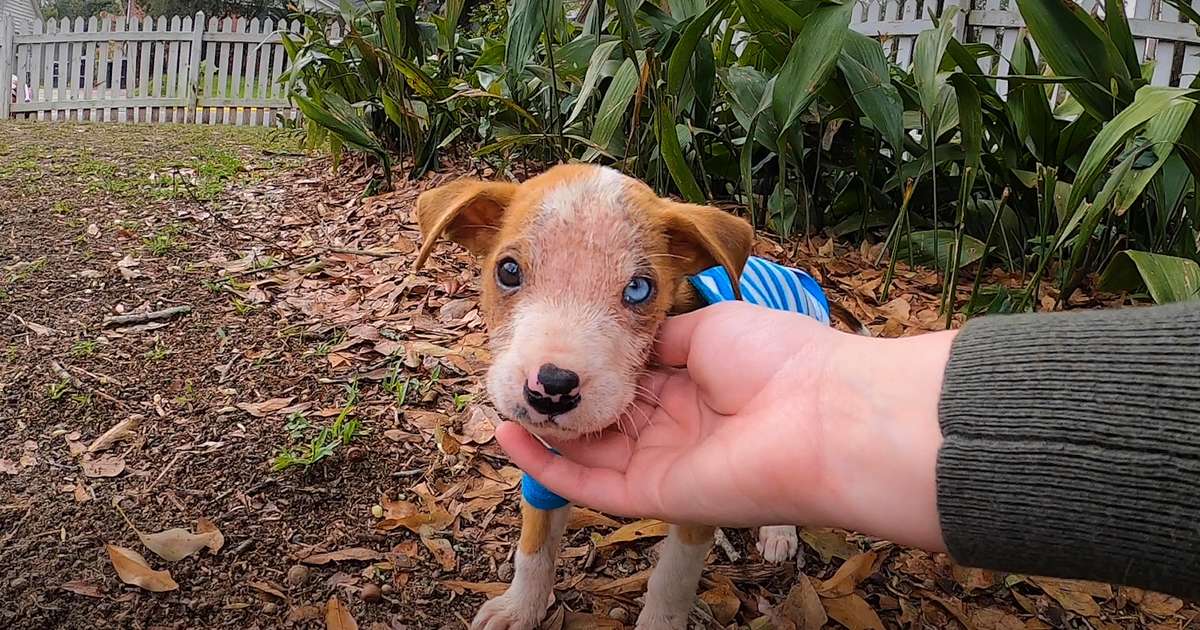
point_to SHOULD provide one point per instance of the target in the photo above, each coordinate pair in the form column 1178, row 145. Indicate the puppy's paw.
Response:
column 510, row 611
column 778, row 543
column 651, row 619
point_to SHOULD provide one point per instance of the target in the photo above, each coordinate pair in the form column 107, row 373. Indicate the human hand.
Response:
column 766, row 417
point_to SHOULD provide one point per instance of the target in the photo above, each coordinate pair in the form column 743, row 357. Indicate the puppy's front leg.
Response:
column 524, row 604
column 672, row 588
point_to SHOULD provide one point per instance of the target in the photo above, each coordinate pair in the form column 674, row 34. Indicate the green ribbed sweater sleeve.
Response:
column 1072, row 446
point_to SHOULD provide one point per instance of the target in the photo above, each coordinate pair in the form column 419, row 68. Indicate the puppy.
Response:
column 580, row 265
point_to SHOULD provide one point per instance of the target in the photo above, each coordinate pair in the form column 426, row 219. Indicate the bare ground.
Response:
column 304, row 314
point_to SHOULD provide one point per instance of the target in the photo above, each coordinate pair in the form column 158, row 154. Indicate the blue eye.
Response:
column 638, row 290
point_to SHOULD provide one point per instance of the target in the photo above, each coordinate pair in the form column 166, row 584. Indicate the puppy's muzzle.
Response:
column 556, row 391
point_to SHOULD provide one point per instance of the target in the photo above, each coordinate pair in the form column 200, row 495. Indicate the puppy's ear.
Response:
column 467, row 211
column 700, row 237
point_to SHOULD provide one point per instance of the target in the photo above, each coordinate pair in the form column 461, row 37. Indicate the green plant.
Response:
column 325, row 347
column 296, row 425
column 56, row 390
column 243, row 308
column 164, row 241
column 157, row 353
column 341, row 432
column 397, row 385
column 462, row 400
column 84, row 348
column 782, row 108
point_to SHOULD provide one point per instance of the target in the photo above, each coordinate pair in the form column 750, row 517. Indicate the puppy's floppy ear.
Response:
column 701, row 237
column 467, row 211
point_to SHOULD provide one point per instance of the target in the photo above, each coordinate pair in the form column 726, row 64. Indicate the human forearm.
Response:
column 1072, row 446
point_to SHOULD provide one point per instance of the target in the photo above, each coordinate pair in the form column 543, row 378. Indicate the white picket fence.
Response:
column 150, row 70
column 1160, row 33
column 226, row 71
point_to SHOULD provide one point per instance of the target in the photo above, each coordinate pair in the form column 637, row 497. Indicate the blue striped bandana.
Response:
column 763, row 283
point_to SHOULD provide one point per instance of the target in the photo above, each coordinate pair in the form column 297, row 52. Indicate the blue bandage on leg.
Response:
column 540, row 496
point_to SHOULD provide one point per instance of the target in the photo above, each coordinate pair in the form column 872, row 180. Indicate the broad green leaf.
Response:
column 970, row 115
column 681, row 56
column 1168, row 278
column 750, row 92
column 595, row 67
column 927, row 62
column 866, row 71
column 1029, row 106
column 808, row 64
column 672, row 155
column 923, row 244
column 1118, row 31
column 1162, row 132
column 626, row 10
column 684, row 9
column 524, row 28
column 1151, row 101
column 1073, row 44
column 611, row 113
column 1088, row 215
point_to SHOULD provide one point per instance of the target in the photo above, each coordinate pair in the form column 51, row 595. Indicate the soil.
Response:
column 305, row 317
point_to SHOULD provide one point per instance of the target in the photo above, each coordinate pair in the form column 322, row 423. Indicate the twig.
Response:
column 62, row 373
column 104, row 379
column 141, row 318
column 36, row 328
column 722, row 541
column 377, row 253
column 163, row 473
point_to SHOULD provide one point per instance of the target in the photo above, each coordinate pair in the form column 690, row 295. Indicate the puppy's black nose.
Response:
column 557, row 381
column 557, row 391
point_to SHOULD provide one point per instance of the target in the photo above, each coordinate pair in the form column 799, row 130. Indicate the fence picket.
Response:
column 260, row 77
column 6, row 57
column 116, row 84
column 145, row 51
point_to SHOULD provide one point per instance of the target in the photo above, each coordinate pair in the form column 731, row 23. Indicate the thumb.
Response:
column 600, row 488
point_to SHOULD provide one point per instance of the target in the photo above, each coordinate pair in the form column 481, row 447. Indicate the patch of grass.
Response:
column 296, row 425
column 325, row 347
column 84, row 348
column 81, row 400
column 61, row 208
column 158, row 352
column 23, row 271
column 55, row 391
column 243, row 308
column 341, row 433
column 397, row 385
column 462, row 400
column 164, row 241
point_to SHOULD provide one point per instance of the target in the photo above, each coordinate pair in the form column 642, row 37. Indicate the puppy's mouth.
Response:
column 543, row 425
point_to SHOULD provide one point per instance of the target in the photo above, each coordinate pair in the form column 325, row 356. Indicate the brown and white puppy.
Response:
column 580, row 266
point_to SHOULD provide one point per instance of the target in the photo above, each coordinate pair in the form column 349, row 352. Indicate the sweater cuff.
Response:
column 1072, row 446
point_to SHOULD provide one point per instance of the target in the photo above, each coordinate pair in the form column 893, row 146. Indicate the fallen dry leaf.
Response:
column 645, row 528
column 583, row 517
column 441, row 550
column 446, row 442
column 81, row 587
column 620, row 586
column 268, row 588
column 106, row 466
column 398, row 513
column 9, row 467
column 585, row 621
column 853, row 612
column 132, row 568
column 337, row 616
column 847, row 577
column 354, row 554
column 119, row 431
column 1074, row 596
column 302, row 613
column 490, row 589
column 995, row 619
column 217, row 539
column 177, row 543
column 74, row 446
column 479, row 424
column 266, row 407
column 1151, row 603
column 722, row 600
column 973, row 579
column 801, row 609
column 828, row 543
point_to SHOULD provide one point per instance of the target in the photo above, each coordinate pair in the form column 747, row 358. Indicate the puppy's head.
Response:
column 579, row 267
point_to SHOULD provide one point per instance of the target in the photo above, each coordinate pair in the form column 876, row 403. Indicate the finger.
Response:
column 611, row 449
column 674, row 341
column 599, row 488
